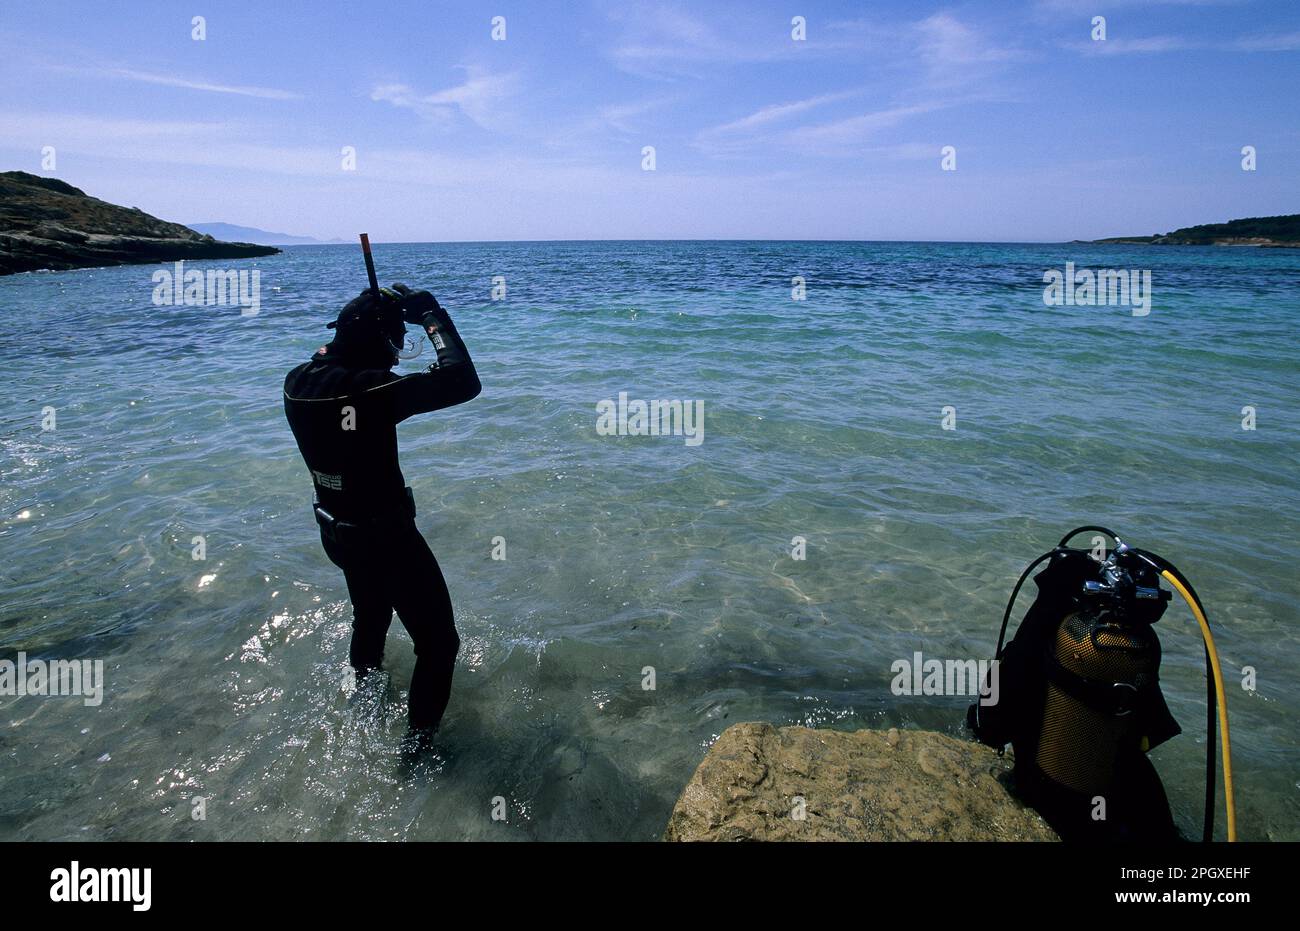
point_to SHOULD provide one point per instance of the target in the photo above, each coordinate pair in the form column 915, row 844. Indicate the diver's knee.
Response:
column 443, row 645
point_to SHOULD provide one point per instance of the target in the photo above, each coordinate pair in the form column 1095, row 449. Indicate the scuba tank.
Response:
column 1077, row 695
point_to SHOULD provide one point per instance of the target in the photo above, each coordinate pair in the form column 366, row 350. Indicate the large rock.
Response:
column 863, row 786
column 49, row 224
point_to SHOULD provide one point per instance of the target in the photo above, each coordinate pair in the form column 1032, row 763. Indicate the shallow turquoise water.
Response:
column 225, row 678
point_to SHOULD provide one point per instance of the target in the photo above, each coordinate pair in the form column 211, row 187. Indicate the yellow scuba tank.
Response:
column 1076, row 693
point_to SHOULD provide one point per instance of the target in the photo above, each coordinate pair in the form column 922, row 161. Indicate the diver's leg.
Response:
column 372, row 609
column 420, row 596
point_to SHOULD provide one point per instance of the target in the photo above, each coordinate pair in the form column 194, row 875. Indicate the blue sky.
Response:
column 756, row 135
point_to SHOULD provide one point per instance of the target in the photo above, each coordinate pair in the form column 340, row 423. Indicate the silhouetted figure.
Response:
column 343, row 407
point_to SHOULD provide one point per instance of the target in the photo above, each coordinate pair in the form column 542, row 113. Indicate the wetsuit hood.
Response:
column 368, row 334
column 360, row 351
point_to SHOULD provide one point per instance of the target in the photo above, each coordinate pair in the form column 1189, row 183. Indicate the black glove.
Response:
column 417, row 305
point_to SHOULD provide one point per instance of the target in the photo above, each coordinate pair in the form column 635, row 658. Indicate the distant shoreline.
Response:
column 1280, row 232
column 1154, row 241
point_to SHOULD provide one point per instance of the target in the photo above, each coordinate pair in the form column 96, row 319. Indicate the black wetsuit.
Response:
column 343, row 407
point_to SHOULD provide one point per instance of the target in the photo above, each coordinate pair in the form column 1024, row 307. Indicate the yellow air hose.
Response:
column 1222, row 699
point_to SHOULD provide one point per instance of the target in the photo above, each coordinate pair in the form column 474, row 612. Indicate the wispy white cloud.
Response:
column 909, row 151
column 939, row 53
column 165, row 80
column 1139, row 45
column 89, row 130
column 1281, row 42
column 253, row 150
column 1091, row 6
column 172, row 80
column 478, row 98
column 665, row 41
column 760, row 127
column 956, row 54
column 778, row 112
column 627, row 117
column 847, row 135
column 951, row 63
column 771, row 128
column 140, row 141
column 1154, row 45
column 611, row 123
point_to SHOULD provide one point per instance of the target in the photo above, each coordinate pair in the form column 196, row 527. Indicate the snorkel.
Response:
column 370, row 263
column 377, row 291
column 404, row 349
column 370, row 330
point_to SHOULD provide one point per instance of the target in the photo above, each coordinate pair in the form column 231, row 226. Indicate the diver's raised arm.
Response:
column 452, row 380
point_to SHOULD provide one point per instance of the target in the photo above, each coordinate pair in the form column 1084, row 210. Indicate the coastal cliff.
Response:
column 49, row 224
column 760, row 782
column 1280, row 232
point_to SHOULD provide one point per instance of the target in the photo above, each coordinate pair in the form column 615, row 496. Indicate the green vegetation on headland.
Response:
column 1278, row 232
column 49, row 224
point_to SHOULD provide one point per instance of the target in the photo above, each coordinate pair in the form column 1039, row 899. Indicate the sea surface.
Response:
column 626, row 557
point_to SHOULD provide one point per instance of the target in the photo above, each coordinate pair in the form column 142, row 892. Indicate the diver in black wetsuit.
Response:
column 343, row 407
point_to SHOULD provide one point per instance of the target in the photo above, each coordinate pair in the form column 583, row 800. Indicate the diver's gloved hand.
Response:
column 422, row 308
column 418, row 305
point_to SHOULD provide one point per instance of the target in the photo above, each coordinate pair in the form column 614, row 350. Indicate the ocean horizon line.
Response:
column 895, row 242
